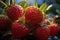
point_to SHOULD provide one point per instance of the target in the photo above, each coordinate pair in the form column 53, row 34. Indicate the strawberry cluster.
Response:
column 29, row 22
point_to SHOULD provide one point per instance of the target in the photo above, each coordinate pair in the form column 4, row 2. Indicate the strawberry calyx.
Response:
column 21, row 19
column 3, row 4
column 24, row 4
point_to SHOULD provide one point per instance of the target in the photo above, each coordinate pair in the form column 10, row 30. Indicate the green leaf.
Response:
column 43, row 7
column 24, row 4
column 35, row 4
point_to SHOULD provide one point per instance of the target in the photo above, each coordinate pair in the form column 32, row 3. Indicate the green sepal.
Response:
column 8, row 2
column 13, row 1
column 35, row 4
column 43, row 7
column 24, row 4
column 21, row 19
column 2, row 5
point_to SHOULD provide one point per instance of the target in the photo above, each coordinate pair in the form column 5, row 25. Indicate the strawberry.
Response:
column 54, row 29
column 4, row 22
column 14, row 12
column 33, row 16
column 59, row 30
column 42, row 33
column 19, row 30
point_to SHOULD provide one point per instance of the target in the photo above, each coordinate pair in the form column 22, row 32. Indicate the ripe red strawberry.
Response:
column 33, row 16
column 54, row 29
column 4, row 22
column 59, row 30
column 19, row 30
column 14, row 12
column 42, row 33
